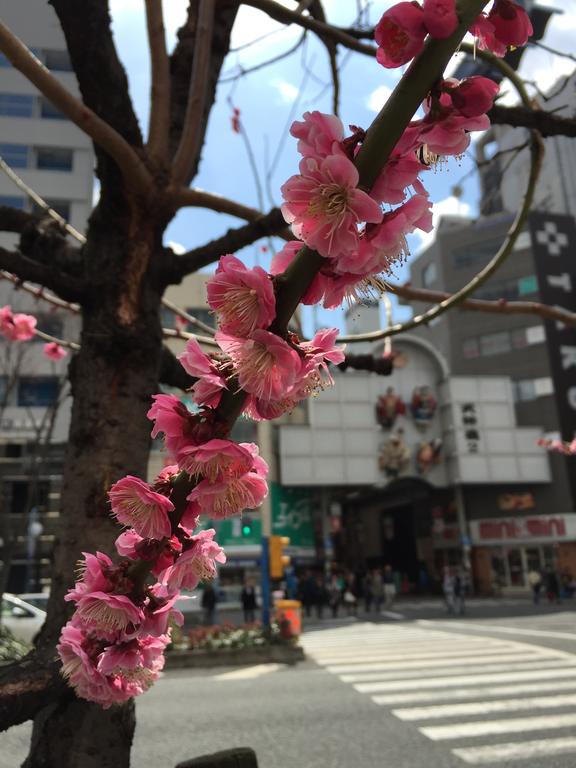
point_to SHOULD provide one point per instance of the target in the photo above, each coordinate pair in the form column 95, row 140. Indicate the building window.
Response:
column 37, row 391
column 471, row 349
column 57, row 61
column 530, row 389
column 475, row 254
column 50, row 324
column 15, row 155
column 3, row 392
column 20, row 496
column 519, row 338
column 527, row 285
column 16, row 105
column 60, row 206
column 495, row 343
column 535, row 334
column 429, row 274
column 204, row 315
column 167, row 318
column 4, row 61
column 13, row 201
column 49, row 111
column 54, row 159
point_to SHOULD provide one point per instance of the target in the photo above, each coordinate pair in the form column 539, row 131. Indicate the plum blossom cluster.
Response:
column 402, row 30
column 16, row 326
column 113, row 646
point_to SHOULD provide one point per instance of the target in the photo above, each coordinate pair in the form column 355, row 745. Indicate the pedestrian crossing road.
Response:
column 490, row 701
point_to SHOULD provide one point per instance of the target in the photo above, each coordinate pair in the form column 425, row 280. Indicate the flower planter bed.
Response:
column 231, row 657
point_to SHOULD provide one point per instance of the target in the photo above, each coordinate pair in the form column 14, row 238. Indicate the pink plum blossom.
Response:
column 107, row 615
column 265, row 364
column 215, row 459
column 440, row 17
column 196, row 564
column 473, row 96
column 512, row 25
column 243, row 298
column 225, row 498
column 131, row 545
column 137, row 506
column 324, row 205
column 318, row 135
column 400, row 34
column 160, row 611
column 208, row 389
column 54, row 351
column 180, row 427
column 399, row 173
column 94, row 574
column 16, row 327
column 282, row 260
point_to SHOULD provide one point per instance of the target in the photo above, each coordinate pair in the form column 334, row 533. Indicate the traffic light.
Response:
column 278, row 561
column 246, row 527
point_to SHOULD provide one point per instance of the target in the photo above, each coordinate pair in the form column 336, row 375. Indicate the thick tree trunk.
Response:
column 112, row 378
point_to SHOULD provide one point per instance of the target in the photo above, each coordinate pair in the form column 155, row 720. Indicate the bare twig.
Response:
column 188, row 317
column 39, row 292
column 248, row 70
column 132, row 167
column 191, row 135
column 159, row 123
column 66, row 286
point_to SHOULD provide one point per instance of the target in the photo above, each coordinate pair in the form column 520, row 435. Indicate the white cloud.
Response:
column 178, row 248
column 378, row 98
column 287, row 91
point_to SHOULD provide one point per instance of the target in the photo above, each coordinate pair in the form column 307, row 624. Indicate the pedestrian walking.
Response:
column 249, row 603
column 209, row 600
column 367, row 591
column 335, row 595
column 552, row 586
column 459, row 593
column 377, row 589
column 320, row 597
column 308, row 592
column 350, row 597
column 448, row 589
column 389, row 587
column 535, row 582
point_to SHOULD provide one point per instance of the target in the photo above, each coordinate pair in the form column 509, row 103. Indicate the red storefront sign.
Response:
column 523, row 529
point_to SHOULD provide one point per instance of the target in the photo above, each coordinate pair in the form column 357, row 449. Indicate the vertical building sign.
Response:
column 554, row 248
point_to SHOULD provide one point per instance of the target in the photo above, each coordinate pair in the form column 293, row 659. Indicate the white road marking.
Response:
column 247, row 673
column 472, row 693
column 508, row 630
column 494, row 727
column 372, row 656
column 444, row 682
column 474, row 659
column 484, row 707
column 524, row 750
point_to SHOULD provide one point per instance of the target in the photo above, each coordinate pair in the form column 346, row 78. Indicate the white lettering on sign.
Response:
column 571, row 395
column 527, row 529
column 563, row 281
column 568, row 356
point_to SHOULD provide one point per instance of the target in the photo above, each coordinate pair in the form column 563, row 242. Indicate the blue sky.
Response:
column 269, row 99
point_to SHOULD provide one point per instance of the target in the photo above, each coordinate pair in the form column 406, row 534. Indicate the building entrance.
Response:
column 398, row 542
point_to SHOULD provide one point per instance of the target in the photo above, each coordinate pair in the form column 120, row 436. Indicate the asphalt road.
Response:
column 414, row 690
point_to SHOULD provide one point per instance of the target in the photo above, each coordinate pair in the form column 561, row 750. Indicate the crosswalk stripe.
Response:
column 494, row 727
column 392, row 700
column 470, row 669
column 484, row 707
column 440, row 682
column 474, row 659
column 370, row 656
column 523, row 750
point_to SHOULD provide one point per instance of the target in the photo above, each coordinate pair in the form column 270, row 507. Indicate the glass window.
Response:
column 37, row 391
column 202, row 314
column 495, row 343
column 16, row 105
column 3, row 384
column 49, row 111
column 527, row 285
column 524, row 390
column 471, row 348
column 12, row 201
column 4, row 61
column 60, row 206
column 535, row 334
column 167, row 318
column 49, row 323
column 16, row 155
column 519, row 338
column 544, row 386
column 475, row 254
column 54, row 159
column 429, row 274
column 57, row 61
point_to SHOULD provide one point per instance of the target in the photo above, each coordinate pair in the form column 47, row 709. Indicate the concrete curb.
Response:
column 235, row 657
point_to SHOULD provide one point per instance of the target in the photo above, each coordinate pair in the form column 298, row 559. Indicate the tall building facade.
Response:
column 512, row 524
column 53, row 157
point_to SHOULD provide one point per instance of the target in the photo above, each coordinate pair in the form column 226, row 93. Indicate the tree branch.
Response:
column 66, row 286
column 192, row 135
column 546, row 123
column 14, row 220
column 383, row 366
column 159, row 123
column 271, row 224
column 27, row 686
column 88, row 121
column 199, row 198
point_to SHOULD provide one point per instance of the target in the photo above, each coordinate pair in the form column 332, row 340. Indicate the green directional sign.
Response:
column 292, row 515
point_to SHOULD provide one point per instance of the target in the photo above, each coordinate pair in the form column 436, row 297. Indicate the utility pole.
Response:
column 266, row 451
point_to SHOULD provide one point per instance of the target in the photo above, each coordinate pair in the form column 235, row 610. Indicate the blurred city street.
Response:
column 495, row 687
